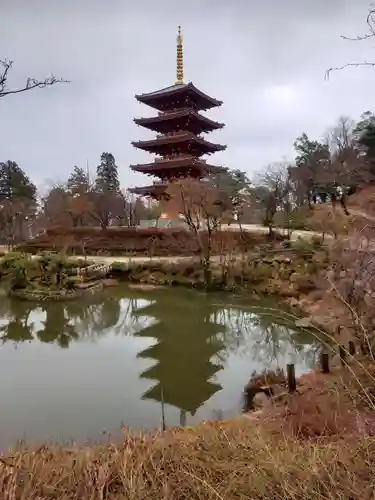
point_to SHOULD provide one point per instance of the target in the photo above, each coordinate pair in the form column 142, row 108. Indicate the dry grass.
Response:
column 364, row 200
column 319, row 445
column 224, row 461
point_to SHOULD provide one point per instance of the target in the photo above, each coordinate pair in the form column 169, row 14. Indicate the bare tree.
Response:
column 77, row 206
column 31, row 82
column 370, row 21
column 202, row 206
column 53, row 205
column 352, row 277
column 275, row 192
column 134, row 209
column 340, row 137
column 15, row 218
column 105, row 206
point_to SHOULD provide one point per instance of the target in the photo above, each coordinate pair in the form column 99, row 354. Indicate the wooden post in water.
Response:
column 291, row 375
column 248, row 399
column 342, row 352
column 351, row 348
column 364, row 350
column 163, row 423
column 324, row 362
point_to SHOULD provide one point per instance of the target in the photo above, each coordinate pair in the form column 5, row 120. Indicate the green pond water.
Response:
column 79, row 370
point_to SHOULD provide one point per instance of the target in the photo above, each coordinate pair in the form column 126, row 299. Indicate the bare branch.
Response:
column 31, row 82
column 348, row 65
column 370, row 20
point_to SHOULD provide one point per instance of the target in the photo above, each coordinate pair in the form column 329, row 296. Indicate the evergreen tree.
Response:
column 312, row 157
column 364, row 133
column 17, row 202
column 107, row 175
column 310, row 153
column 78, row 181
column 15, row 184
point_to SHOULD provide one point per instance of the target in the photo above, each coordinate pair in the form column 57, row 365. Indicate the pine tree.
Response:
column 17, row 201
column 107, row 200
column 107, row 175
column 15, row 184
column 78, row 181
column 311, row 160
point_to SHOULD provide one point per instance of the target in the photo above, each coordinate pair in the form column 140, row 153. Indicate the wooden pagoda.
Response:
column 179, row 125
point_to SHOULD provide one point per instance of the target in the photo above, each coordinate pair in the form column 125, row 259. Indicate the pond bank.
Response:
column 289, row 273
column 234, row 459
column 301, row 449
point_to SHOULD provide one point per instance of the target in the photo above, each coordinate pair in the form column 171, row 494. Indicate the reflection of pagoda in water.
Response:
column 186, row 343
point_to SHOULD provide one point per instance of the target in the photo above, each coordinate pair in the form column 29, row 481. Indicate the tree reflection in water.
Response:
column 266, row 334
column 15, row 324
column 109, row 313
column 56, row 326
column 191, row 336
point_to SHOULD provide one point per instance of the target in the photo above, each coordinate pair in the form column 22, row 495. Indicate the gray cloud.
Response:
column 266, row 61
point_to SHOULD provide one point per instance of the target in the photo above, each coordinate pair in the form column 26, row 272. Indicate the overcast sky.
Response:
column 265, row 59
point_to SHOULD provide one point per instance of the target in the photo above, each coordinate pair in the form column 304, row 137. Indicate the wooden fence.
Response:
column 290, row 379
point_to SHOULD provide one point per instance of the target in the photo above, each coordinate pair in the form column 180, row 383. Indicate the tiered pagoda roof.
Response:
column 179, row 125
column 166, row 99
column 182, row 142
column 155, row 190
column 163, row 122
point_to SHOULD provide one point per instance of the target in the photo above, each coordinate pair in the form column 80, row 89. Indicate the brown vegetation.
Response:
column 137, row 241
column 303, row 449
column 202, row 205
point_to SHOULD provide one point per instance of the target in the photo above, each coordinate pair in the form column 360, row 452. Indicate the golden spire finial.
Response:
column 180, row 58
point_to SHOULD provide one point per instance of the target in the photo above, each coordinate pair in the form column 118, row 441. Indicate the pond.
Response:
column 79, row 370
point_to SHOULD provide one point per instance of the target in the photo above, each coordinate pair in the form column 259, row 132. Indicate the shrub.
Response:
column 119, row 267
column 258, row 273
column 304, row 283
column 148, row 241
column 19, row 274
column 304, row 248
column 11, row 258
column 287, row 244
column 72, row 281
column 316, row 242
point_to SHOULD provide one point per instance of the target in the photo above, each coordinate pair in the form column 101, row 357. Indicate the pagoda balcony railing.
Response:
column 171, row 134
column 173, row 157
column 175, row 134
column 166, row 113
column 177, row 157
column 158, row 183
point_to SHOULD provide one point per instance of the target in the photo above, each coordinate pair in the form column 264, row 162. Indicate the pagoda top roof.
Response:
column 179, row 113
column 157, row 98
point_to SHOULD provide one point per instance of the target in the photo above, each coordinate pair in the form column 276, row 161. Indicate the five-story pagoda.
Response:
column 179, row 143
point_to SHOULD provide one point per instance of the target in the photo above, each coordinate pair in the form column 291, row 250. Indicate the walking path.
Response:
column 255, row 228
column 360, row 213
column 98, row 259
column 258, row 228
